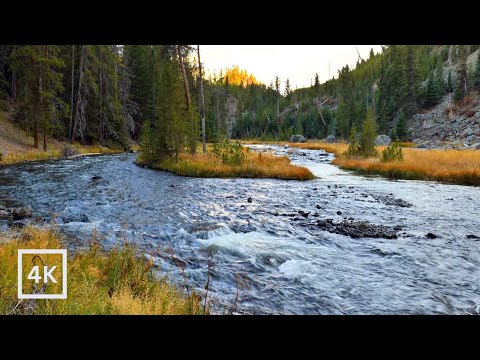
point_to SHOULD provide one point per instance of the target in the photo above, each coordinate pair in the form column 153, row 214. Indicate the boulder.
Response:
column 208, row 230
column 298, row 138
column 21, row 212
column 331, row 139
column 5, row 215
column 73, row 214
column 383, row 140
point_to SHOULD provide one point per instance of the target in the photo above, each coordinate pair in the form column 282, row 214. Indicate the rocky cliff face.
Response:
column 448, row 124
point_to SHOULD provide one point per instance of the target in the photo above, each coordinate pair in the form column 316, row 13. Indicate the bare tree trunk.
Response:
column 187, row 92
column 46, row 120
column 79, row 94
column 100, row 85
column 71, row 93
column 35, row 135
column 36, row 125
column 202, row 103
column 14, row 86
column 184, row 75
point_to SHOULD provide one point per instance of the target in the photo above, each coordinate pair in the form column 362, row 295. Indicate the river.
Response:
column 278, row 265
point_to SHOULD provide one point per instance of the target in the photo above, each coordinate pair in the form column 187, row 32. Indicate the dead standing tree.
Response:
column 185, row 85
column 202, row 103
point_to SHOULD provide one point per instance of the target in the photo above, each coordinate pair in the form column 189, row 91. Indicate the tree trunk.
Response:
column 46, row 118
column 14, row 86
column 71, row 93
column 202, row 103
column 45, row 147
column 187, row 92
column 35, row 135
column 79, row 94
column 40, row 83
column 184, row 75
column 100, row 85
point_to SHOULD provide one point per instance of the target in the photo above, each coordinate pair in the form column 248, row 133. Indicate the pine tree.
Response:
column 317, row 86
column 140, row 61
column 353, row 145
column 410, row 79
column 439, row 79
column 40, row 82
column 368, row 135
column 450, row 84
column 401, row 132
column 287, row 88
column 431, row 93
column 461, row 82
column 476, row 74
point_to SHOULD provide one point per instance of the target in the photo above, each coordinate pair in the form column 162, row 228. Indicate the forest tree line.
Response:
column 110, row 94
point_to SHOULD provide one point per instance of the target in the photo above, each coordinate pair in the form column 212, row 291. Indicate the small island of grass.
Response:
column 229, row 160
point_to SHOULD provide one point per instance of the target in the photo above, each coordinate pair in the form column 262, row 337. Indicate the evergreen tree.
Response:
column 140, row 64
column 450, row 85
column 461, row 82
column 317, row 86
column 439, row 79
column 401, row 131
column 287, row 88
column 431, row 93
column 476, row 74
column 368, row 135
column 40, row 82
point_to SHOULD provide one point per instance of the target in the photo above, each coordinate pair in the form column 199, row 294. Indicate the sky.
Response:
column 298, row 63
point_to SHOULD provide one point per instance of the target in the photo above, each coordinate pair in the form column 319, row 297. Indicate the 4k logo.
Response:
column 44, row 276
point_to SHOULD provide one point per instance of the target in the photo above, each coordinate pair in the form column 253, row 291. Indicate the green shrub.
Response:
column 354, row 146
column 392, row 152
column 231, row 153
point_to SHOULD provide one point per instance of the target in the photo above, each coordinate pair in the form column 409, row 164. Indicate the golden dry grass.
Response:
column 256, row 165
column 451, row 166
column 116, row 282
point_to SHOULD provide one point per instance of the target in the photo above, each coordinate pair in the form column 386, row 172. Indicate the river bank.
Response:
column 442, row 165
column 119, row 281
column 16, row 146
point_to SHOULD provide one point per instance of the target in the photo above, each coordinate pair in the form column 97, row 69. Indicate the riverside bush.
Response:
column 392, row 152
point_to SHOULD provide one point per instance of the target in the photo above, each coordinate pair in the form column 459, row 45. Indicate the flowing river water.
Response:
column 262, row 249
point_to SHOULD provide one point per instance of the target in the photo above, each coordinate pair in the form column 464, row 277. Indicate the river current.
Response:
column 259, row 248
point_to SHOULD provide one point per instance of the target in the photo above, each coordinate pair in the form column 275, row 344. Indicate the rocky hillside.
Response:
column 448, row 124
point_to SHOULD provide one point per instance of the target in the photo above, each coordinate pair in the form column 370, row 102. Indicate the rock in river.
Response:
column 21, row 212
column 208, row 230
column 357, row 229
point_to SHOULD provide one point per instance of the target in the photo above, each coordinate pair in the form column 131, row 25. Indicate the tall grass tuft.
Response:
column 119, row 281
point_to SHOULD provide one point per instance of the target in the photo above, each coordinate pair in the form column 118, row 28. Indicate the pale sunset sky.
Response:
column 299, row 63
